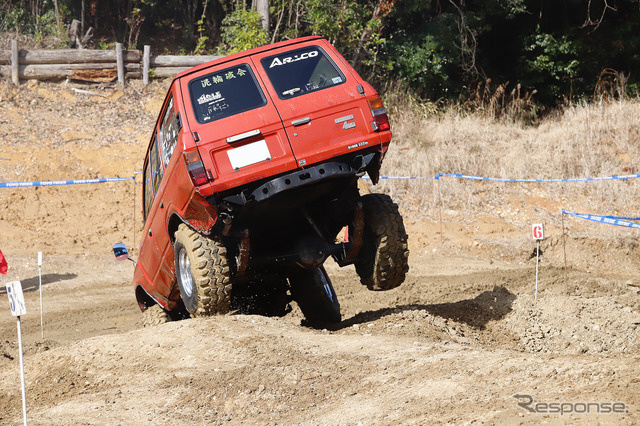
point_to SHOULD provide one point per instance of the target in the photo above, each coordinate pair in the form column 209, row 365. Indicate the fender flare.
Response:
column 144, row 299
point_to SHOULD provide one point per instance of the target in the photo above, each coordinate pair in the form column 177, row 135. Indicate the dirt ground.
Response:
column 454, row 344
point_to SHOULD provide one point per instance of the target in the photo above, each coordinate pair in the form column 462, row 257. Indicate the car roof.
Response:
column 246, row 53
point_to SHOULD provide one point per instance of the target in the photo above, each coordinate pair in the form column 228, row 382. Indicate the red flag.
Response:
column 3, row 264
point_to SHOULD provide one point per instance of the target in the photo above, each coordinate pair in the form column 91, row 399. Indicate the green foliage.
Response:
column 513, row 7
column 352, row 26
column 202, row 39
column 423, row 53
column 438, row 50
column 633, row 90
column 46, row 25
column 17, row 18
column 441, row 48
column 242, row 30
column 423, row 64
column 336, row 20
column 105, row 45
column 551, row 62
column 201, row 44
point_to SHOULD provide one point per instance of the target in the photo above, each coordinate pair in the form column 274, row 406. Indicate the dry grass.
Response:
column 592, row 140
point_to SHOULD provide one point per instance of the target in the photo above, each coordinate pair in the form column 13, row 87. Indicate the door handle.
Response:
column 301, row 121
column 243, row 136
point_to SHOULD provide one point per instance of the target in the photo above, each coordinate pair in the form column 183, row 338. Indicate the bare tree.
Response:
column 468, row 41
column 262, row 6
column 57, row 11
column 589, row 22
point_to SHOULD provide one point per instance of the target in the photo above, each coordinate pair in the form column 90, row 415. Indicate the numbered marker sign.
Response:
column 16, row 299
column 537, row 229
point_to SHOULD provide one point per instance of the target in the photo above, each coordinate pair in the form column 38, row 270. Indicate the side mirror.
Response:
column 121, row 253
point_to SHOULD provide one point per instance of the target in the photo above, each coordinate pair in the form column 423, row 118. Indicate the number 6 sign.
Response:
column 537, row 229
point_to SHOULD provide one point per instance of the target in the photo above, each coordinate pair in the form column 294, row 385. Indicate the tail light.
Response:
column 196, row 169
column 380, row 119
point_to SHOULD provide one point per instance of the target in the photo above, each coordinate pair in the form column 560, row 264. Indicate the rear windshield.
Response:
column 225, row 93
column 297, row 72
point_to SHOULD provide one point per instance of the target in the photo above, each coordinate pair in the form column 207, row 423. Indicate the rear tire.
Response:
column 383, row 261
column 314, row 293
column 203, row 273
column 155, row 315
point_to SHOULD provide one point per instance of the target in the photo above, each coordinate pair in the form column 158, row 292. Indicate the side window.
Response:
column 168, row 135
column 156, row 167
column 147, row 194
column 153, row 170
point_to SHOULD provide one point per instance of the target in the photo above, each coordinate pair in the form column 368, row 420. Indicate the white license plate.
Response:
column 249, row 154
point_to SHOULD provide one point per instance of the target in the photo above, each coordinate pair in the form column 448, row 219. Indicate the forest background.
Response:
column 536, row 54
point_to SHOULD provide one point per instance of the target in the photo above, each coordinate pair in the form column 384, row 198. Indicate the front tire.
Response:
column 383, row 261
column 154, row 315
column 313, row 292
column 203, row 273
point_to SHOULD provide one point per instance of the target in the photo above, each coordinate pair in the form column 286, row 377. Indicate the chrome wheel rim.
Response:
column 186, row 279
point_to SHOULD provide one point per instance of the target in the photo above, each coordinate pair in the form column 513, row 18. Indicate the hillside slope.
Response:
column 453, row 344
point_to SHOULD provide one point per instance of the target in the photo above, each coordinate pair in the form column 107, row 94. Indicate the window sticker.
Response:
column 225, row 93
column 297, row 72
column 210, row 97
column 293, row 58
column 168, row 135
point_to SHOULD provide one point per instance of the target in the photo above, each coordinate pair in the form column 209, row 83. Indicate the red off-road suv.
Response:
column 251, row 175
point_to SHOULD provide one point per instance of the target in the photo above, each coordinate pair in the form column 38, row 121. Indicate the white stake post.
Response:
column 40, row 280
column 537, row 229
column 16, row 303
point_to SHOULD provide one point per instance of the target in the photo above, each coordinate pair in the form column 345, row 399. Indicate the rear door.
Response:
column 237, row 128
column 322, row 105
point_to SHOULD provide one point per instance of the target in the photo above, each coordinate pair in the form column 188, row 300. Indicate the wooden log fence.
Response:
column 103, row 66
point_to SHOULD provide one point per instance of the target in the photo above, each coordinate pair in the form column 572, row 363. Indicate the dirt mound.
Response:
column 453, row 344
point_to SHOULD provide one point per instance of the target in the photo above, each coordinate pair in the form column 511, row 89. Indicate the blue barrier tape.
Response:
column 609, row 220
column 461, row 176
column 490, row 179
column 407, row 177
column 436, row 177
column 623, row 218
column 59, row 182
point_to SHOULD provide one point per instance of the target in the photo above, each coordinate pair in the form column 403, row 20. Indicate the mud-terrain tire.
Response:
column 313, row 292
column 203, row 273
column 383, row 261
column 155, row 315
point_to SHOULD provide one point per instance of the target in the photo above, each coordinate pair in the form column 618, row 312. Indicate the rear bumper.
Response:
column 343, row 168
